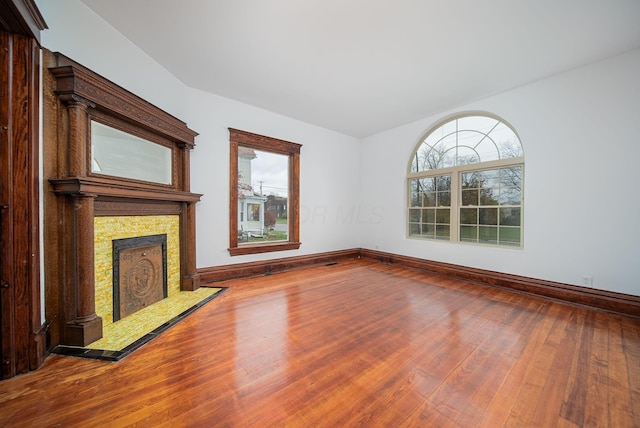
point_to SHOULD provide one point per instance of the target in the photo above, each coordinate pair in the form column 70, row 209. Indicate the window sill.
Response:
column 245, row 249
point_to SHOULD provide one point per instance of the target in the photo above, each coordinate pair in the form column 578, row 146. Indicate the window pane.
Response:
column 442, row 231
column 414, row 229
column 488, row 216
column 482, row 124
column 466, row 156
column 429, row 199
column 488, row 235
column 470, row 197
column 511, row 177
column 414, row 216
column 488, row 150
column 447, row 158
column 510, row 216
column 253, row 212
column 444, row 183
column 428, row 231
column 429, row 216
column 510, row 235
column 415, row 196
column 428, row 184
column 443, row 216
column 489, row 196
column 432, row 158
column 510, row 196
column 470, row 180
column 469, row 137
column 444, row 199
column 507, row 141
column 415, row 162
column 468, row 216
column 488, row 178
column 262, row 185
column 469, row 233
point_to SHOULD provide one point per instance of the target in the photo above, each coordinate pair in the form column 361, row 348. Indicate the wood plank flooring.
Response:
column 354, row 344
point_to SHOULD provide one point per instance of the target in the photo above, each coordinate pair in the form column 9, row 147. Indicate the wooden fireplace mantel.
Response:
column 74, row 195
column 89, row 186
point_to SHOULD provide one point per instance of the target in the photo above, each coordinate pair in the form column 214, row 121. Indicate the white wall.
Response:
column 329, row 161
column 80, row 34
column 580, row 131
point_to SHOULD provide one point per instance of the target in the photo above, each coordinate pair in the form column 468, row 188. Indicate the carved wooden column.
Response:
column 190, row 279
column 77, row 108
column 82, row 326
column 85, row 326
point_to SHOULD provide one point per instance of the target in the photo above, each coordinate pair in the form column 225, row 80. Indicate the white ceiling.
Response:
column 363, row 66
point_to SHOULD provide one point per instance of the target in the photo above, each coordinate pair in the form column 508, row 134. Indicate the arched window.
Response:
column 465, row 183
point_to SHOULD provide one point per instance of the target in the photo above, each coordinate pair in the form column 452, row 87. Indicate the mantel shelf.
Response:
column 90, row 186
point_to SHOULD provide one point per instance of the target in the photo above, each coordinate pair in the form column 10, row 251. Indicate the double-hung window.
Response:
column 465, row 183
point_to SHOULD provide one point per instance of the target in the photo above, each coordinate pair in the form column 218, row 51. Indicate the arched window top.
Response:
column 465, row 140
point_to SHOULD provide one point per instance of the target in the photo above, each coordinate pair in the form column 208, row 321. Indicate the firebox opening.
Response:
column 139, row 273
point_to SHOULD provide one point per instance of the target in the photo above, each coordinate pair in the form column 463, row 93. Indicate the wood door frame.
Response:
column 22, row 331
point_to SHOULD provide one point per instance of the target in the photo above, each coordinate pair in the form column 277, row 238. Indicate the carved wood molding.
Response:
column 74, row 80
column 257, row 141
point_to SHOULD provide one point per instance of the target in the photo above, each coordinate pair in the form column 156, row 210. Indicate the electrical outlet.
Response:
column 587, row 281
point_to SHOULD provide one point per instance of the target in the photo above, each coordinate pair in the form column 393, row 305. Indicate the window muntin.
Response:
column 465, row 183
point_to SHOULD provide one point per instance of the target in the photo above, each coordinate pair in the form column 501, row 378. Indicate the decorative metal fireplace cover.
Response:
column 139, row 273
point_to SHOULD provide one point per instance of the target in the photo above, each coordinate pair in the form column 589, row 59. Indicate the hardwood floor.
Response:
column 354, row 344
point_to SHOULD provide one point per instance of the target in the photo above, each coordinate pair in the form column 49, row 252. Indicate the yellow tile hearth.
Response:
column 117, row 335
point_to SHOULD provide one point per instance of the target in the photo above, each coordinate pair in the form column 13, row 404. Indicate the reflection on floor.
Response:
column 128, row 334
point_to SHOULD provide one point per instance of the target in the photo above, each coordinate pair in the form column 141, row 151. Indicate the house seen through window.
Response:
column 262, row 177
column 465, row 183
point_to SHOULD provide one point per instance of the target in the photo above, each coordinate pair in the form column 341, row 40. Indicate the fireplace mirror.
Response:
column 120, row 154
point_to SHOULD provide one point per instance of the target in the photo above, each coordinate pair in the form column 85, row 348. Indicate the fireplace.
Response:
column 139, row 273
column 88, row 122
